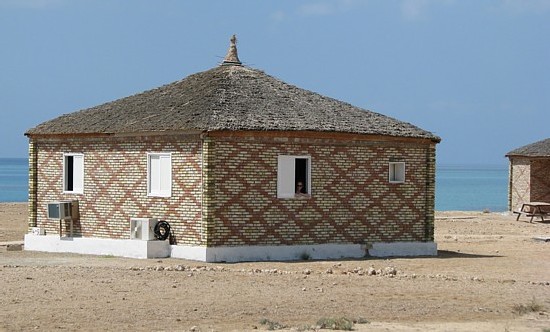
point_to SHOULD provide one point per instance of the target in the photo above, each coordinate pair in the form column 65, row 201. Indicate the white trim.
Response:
column 78, row 173
column 165, row 175
column 286, row 173
column 162, row 249
column 98, row 246
column 399, row 249
column 397, row 172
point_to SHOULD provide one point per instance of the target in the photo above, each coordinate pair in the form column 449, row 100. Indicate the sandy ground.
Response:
column 488, row 268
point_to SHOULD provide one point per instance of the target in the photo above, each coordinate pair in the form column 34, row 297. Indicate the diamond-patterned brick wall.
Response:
column 540, row 180
column 32, row 184
column 352, row 200
column 520, row 182
column 115, row 185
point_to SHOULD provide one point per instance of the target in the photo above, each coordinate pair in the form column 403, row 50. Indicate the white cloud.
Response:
column 413, row 9
column 31, row 4
column 278, row 15
column 418, row 9
column 526, row 6
column 319, row 8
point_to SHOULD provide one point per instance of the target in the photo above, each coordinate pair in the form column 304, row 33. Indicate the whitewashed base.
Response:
column 98, row 246
column 269, row 253
column 162, row 249
column 400, row 249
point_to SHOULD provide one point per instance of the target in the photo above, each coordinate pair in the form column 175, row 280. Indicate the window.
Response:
column 73, row 173
column 293, row 176
column 159, row 174
column 397, row 172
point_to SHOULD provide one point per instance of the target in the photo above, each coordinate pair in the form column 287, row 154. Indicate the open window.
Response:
column 293, row 176
column 159, row 174
column 397, row 172
column 73, row 173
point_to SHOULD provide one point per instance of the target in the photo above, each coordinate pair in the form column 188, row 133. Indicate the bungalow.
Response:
column 240, row 166
column 529, row 179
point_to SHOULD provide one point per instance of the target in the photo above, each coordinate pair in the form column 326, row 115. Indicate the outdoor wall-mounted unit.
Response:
column 143, row 228
column 60, row 210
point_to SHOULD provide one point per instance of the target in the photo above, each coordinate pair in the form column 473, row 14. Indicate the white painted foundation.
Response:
column 98, row 246
column 388, row 249
column 162, row 249
column 269, row 253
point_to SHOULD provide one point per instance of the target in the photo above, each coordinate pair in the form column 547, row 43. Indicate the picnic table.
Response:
column 534, row 209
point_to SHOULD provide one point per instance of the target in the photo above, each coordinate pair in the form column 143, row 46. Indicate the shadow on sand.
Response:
column 454, row 254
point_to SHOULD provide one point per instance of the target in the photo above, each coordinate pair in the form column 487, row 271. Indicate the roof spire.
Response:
column 232, row 58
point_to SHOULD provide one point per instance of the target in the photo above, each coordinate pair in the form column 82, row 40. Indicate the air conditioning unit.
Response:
column 60, row 210
column 38, row 231
column 143, row 228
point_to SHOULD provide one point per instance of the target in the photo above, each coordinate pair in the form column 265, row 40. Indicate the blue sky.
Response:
column 475, row 72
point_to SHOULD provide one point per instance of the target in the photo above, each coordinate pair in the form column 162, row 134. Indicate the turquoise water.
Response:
column 471, row 188
column 458, row 187
column 14, row 177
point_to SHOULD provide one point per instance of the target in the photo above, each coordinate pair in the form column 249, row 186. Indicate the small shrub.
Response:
column 342, row 324
column 305, row 256
column 533, row 306
column 361, row 320
column 107, row 256
column 271, row 325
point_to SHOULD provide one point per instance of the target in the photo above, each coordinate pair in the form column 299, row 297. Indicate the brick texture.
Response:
column 529, row 181
column 540, row 180
column 352, row 200
column 224, row 190
column 115, row 185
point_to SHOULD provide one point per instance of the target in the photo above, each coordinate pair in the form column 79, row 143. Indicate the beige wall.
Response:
column 352, row 200
column 520, row 181
column 225, row 188
column 529, row 181
column 115, row 185
column 540, row 180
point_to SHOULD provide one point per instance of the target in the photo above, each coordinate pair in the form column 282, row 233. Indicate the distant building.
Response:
column 529, row 174
column 241, row 165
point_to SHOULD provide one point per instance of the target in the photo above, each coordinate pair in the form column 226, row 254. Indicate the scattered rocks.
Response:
column 390, row 270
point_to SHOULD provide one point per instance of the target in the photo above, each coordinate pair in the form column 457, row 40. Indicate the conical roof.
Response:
column 537, row 149
column 227, row 97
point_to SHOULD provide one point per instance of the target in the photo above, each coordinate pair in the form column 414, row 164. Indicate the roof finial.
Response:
column 232, row 58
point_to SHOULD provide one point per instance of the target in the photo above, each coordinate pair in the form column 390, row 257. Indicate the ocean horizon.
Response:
column 458, row 187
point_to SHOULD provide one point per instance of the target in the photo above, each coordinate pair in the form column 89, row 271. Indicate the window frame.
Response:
column 77, row 173
column 286, row 176
column 397, row 175
column 161, row 192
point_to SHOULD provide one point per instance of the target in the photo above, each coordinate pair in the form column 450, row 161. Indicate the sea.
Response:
column 458, row 187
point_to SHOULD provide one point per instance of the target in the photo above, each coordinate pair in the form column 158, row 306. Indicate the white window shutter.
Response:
column 165, row 175
column 160, row 175
column 78, row 173
column 285, row 176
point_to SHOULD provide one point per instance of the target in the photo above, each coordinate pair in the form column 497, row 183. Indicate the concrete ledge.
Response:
column 98, row 246
column 162, row 249
column 269, row 253
column 400, row 249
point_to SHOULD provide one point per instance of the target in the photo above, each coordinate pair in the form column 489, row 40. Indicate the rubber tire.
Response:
column 162, row 226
